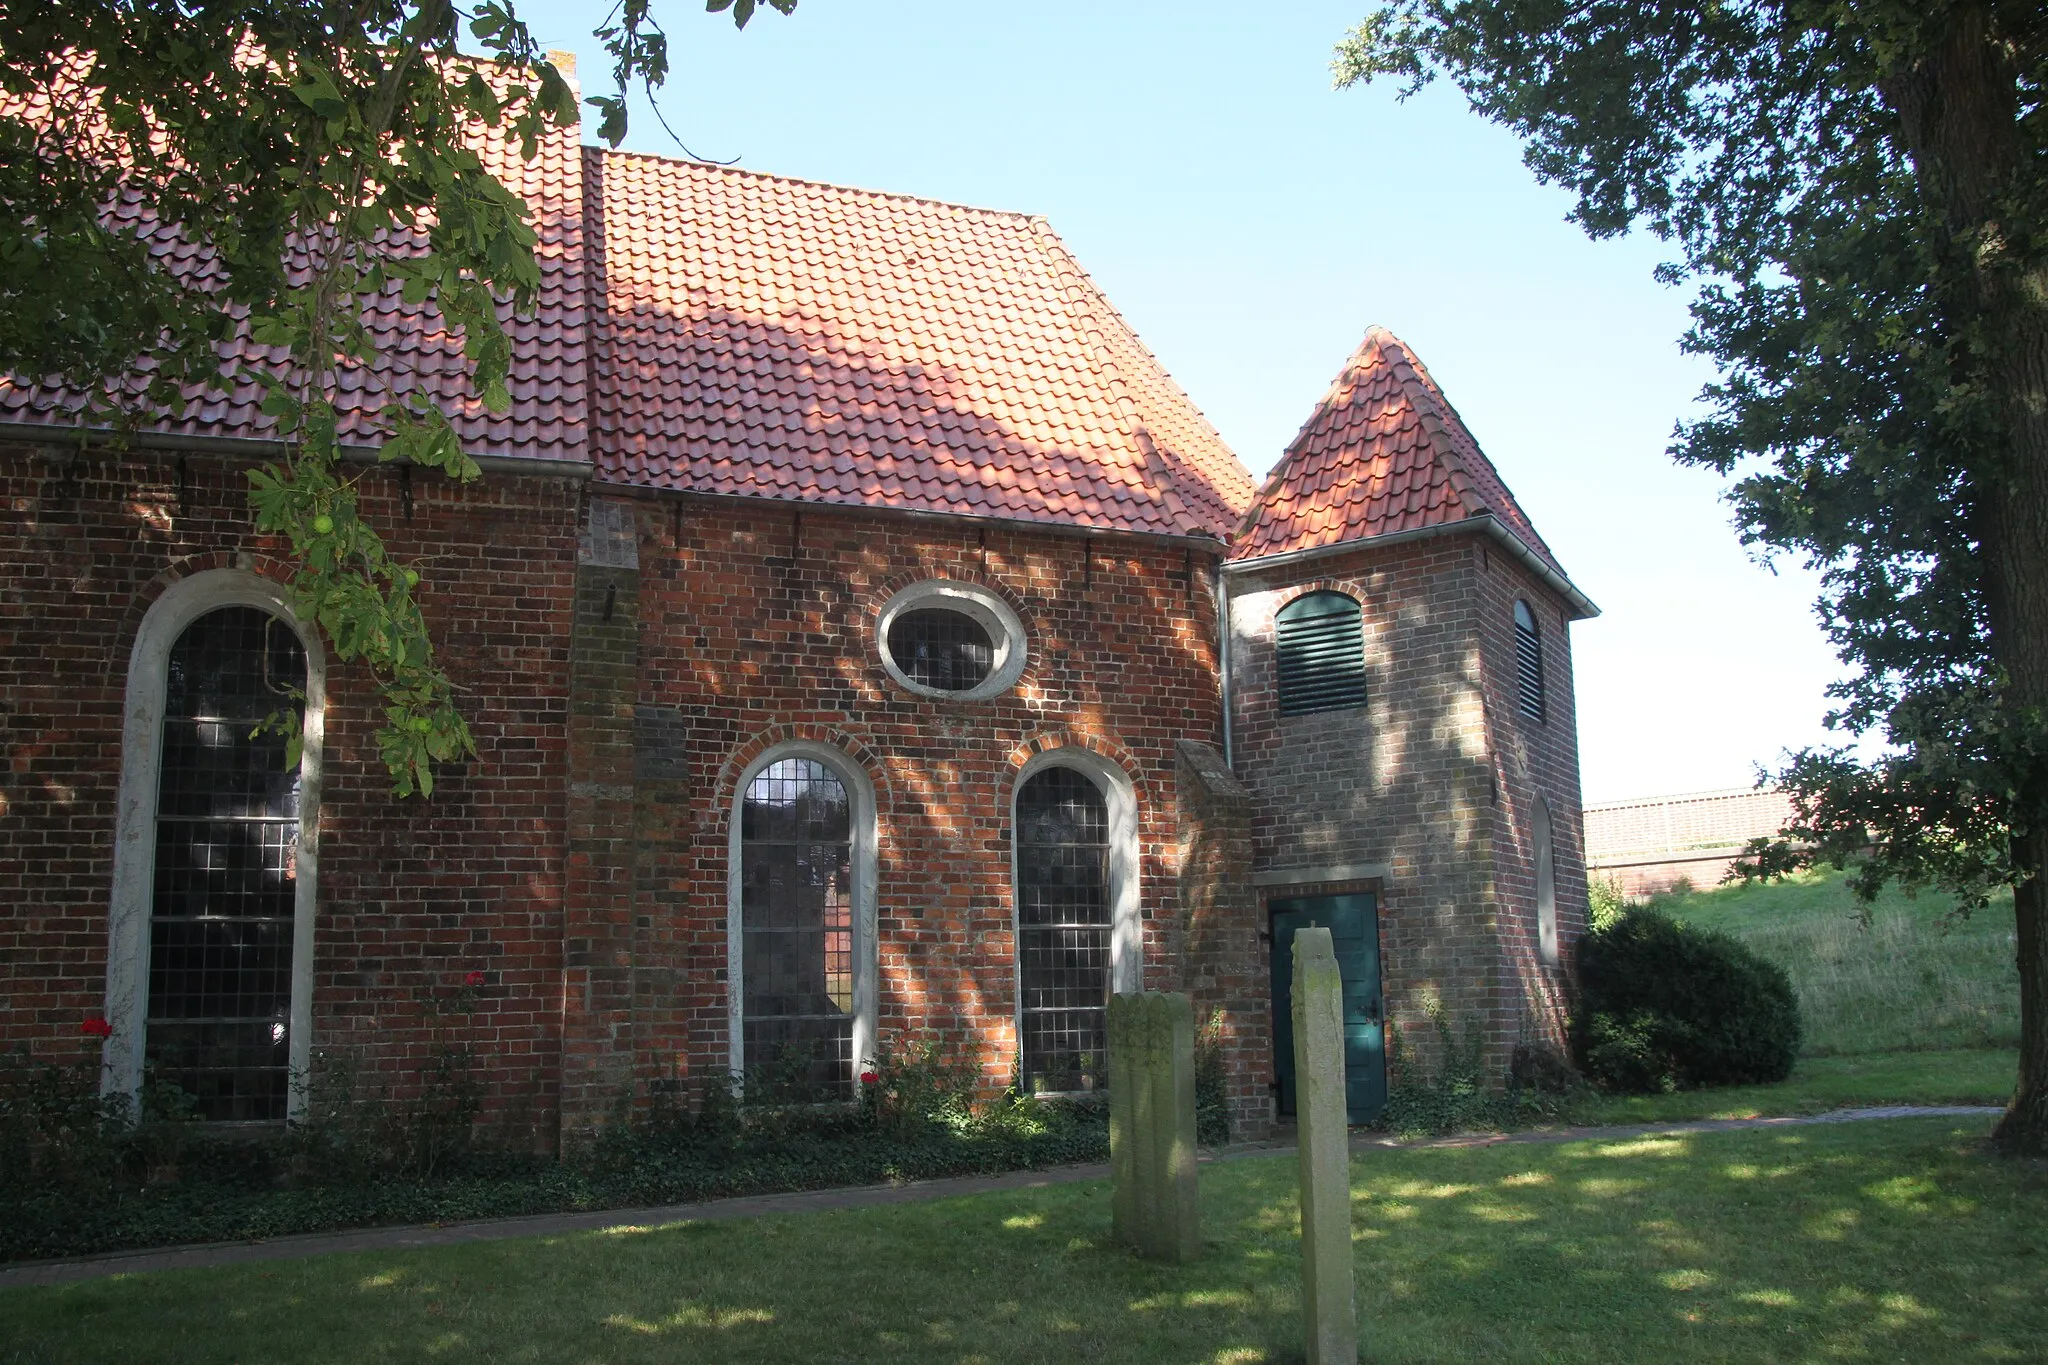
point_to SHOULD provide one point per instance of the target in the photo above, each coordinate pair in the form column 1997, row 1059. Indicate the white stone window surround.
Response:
column 861, row 795
column 986, row 608
column 1546, row 885
column 127, row 1008
column 1127, row 929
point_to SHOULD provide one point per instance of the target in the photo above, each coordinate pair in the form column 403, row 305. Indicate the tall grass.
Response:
column 1916, row 976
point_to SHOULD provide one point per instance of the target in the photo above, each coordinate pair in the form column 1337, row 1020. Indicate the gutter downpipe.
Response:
column 1223, row 657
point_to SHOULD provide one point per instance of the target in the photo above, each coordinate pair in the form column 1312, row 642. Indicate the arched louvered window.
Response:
column 1064, row 913
column 223, row 907
column 796, row 920
column 1321, row 646
column 1528, row 663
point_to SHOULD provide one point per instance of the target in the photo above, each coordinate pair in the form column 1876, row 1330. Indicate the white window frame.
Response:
column 1546, row 884
column 127, row 1008
column 861, row 797
column 1005, row 632
column 1126, row 919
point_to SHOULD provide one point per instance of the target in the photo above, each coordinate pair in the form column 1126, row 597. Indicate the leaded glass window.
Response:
column 796, row 924
column 942, row 649
column 1063, row 930
column 225, row 887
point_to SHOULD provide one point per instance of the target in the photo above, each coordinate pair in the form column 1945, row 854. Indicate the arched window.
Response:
column 1528, row 663
column 1077, row 918
column 1546, row 887
column 801, row 932
column 1320, row 643
column 210, row 938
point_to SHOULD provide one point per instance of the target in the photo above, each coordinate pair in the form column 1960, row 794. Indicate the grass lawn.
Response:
column 1818, row 1084
column 1915, row 978
column 1895, row 1240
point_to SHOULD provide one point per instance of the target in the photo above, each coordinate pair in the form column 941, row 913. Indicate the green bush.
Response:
column 1665, row 1006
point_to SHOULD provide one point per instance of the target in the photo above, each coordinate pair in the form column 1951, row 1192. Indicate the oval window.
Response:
column 954, row 640
column 943, row 649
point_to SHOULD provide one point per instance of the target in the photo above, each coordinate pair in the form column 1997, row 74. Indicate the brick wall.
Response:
column 413, row 895
column 756, row 626
column 616, row 694
column 1424, row 793
column 1658, row 843
column 1532, row 761
column 1221, row 957
column 618, row 690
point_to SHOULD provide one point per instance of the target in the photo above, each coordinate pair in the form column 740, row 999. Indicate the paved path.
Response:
column 813, row 1201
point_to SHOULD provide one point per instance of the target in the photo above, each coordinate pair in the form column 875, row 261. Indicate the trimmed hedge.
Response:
column 1665, row 1006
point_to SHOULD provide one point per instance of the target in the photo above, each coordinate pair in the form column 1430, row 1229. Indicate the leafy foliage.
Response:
column 1859, row 194
column 80, row 1174
column 1459, row 1095
column 1664, row 1006
column 318, row 156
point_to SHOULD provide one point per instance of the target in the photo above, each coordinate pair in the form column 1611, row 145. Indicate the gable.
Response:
column 1384, row 453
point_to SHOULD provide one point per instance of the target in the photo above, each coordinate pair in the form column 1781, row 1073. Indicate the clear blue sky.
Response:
column 1251, row 222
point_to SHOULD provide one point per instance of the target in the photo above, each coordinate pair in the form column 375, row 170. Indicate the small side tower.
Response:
column 1401, row 712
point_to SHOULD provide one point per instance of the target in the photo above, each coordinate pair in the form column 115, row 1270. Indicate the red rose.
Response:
column 473, row 979
column 869, row 1077
column 96, row 1027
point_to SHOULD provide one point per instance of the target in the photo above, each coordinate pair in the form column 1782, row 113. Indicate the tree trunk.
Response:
column 2024, row 1128
column 1958, row 109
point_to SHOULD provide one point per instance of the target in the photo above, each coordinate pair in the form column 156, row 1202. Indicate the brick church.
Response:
column 867, row 644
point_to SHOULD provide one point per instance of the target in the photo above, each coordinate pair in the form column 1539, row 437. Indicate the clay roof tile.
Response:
column 1384, row 451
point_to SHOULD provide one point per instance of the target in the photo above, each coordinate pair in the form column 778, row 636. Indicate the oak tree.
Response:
column 1857, row 190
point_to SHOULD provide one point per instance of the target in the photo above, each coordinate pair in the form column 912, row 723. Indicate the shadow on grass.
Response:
column 1883, row 1240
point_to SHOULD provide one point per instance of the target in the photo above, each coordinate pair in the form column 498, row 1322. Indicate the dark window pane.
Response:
column 225, row 889
column 796, row 919
column 940, row 648
column 1063, row 927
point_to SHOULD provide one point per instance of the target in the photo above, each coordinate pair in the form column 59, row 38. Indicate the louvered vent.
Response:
column 1528, row 663
column 1322, row 654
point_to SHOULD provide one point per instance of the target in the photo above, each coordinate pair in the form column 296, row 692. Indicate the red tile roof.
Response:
column 719, row 331
column 548, row 417
column 1384, row 452
column 777, row 338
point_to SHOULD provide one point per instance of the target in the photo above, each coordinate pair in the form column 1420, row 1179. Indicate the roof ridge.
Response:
column 747, row 171
column 1152, row 465
column 1116, row 315
column 1358, row 360
column 1464, row 444
column 1433, row 411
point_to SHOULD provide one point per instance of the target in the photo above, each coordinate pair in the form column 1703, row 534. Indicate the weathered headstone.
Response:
column 1155, row 1206
column 1328, row 1292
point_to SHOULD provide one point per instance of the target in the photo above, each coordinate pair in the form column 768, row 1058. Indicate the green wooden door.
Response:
column 1354, row 925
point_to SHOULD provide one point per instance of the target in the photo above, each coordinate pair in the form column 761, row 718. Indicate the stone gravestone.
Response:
column 1328, row 1293
column 1155, row 1206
